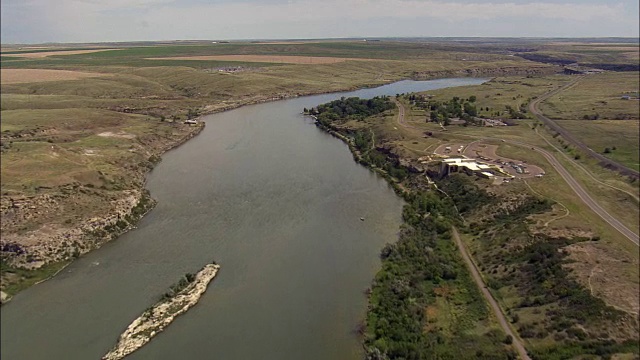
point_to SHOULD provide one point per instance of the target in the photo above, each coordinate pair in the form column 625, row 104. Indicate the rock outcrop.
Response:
column 158, row 317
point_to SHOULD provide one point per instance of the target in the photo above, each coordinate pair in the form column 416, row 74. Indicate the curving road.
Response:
column 475, row 273
column 564, row 173
column 605, row 161
column 581, row 192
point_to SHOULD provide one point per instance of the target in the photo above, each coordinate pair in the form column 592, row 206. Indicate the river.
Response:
column 271, row 198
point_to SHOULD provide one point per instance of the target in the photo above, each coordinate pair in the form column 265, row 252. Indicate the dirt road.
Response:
column 400, row 119
column 605, row 161
column 517, row 344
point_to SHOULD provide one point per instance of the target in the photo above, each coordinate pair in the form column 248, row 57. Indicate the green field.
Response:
column 597, row 96
column 621, row 137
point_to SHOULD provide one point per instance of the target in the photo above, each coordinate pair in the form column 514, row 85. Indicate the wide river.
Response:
column 271, row 198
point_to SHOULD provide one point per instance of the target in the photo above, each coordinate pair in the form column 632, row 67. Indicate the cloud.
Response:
column 119, row 20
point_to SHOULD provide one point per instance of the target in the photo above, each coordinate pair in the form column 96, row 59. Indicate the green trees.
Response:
column 351, row 108
column 444, row 111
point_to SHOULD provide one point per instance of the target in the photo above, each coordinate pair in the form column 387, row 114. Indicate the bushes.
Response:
column 422, row 260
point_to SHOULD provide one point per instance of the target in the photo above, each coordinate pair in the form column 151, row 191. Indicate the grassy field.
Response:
column 599, row 54
column 597, row 96
column 621, row 137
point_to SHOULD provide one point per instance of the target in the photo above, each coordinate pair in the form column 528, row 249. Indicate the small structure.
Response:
column 191, row 121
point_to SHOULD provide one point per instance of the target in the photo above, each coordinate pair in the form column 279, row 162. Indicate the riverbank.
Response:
column 423, row 265
column 31, row 257
column 159, row 316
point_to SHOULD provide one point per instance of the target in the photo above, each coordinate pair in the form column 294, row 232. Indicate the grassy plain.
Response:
column 621, row 137
column 597, row 94
column 81, row 144
column 597, row 54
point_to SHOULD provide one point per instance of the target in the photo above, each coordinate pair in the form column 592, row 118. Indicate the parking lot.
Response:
column 486, row 153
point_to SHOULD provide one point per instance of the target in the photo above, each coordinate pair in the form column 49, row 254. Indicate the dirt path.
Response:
column 517, row 344
column 567, row 212
column 400, row 119
column 533, row 107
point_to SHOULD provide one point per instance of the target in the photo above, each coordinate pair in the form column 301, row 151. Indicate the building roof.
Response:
column 470, row 164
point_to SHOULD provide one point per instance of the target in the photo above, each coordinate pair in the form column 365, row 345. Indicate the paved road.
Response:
column 573, row 184
column 582, row 193
column 517, row 344
column 605, row 161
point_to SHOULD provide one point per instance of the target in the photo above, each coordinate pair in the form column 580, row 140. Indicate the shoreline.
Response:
column 144, row 193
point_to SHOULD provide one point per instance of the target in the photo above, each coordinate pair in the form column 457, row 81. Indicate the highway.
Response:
column 581, row 192
column 605, row 161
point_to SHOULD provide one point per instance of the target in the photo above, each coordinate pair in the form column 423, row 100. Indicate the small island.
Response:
column 178, row 300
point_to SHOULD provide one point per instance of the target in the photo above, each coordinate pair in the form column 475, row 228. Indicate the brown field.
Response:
column 43, row 54
column 18, row 76
column 267, row 59
column 25, row 48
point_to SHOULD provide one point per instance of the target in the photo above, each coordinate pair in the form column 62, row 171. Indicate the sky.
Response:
column 39, row 21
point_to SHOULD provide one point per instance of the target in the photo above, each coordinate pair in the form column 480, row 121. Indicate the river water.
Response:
column 271, row 198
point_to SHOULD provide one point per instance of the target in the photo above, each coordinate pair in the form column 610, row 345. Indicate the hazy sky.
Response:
column 34, row 21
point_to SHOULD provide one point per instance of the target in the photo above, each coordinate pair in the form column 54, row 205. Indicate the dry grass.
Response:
column 19, row 76
column 43, row 54
column 599, row 94
column 286, row 59
column 620, row 136
column 608, row 273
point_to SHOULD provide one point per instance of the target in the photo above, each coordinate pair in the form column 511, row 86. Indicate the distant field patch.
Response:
column 286, row 59
column 17, row 76
column 43, row 54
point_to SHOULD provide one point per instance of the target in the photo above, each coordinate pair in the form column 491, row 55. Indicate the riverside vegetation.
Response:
column 423, row 304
